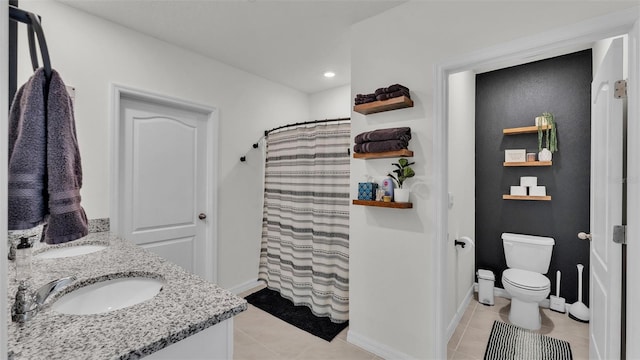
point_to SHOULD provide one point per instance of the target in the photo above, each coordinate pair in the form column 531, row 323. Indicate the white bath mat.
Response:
column 509, row 342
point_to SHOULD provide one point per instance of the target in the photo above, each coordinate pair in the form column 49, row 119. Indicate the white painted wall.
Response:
column 330, row 104
column 91, row 54
column 461, row 262
column 392, row 297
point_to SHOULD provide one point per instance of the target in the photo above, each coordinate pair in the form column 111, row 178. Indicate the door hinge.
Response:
column 620, row 234
column 620, row 89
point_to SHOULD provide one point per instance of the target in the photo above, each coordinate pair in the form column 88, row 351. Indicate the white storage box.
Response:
column 537, row 191
column 515, row 155
column 519, row 190
column 528, row 181
column 541, row 121
column 486, row 281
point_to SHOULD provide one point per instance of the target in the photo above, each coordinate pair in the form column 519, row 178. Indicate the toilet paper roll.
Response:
column 528, row 181
column 468, row 245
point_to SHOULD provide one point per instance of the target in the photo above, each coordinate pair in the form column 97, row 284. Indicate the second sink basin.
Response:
column 108, row 295
column 69, row 251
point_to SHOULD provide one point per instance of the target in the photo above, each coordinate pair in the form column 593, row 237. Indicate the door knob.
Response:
column 584, row 236
column 202, row 216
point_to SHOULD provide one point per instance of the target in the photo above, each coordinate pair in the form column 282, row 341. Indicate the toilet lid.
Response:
column 526, row 279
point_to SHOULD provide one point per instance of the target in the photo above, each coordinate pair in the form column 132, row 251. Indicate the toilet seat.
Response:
column 526, row 280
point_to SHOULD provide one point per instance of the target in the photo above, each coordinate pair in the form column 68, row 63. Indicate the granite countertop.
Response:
column 186, row 305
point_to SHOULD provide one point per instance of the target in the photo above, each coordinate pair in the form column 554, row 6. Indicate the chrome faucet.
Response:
column 28, row 303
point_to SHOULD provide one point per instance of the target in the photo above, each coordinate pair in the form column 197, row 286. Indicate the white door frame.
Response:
column 116, row 224
column 575, row 37
column 633, row 193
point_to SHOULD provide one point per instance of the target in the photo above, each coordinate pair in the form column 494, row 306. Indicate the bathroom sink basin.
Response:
column 69, row 251
column 108, row 295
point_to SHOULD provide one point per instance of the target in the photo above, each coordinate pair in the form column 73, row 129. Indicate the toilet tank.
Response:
column 527, row 252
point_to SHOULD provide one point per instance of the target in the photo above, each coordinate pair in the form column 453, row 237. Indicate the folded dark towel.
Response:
column 380, row 146
column 399, row 133
column 365, row 96
column 392, row 95
column 44, row 150
column 391, row 89
column 27, row 155
column 364, row 100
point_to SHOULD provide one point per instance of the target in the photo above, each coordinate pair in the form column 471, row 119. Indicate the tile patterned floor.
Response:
column 470, row 338
column 259, row 335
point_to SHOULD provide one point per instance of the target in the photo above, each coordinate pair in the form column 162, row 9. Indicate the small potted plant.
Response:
column 403, row 172
column 548, row 134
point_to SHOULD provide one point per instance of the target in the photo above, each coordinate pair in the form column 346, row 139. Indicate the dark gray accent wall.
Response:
column 513, row 97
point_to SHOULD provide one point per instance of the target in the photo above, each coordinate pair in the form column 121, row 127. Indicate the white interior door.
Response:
column 606, row 208
column 163, row 193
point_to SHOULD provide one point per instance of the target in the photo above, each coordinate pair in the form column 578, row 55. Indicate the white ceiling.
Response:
column 289, row 42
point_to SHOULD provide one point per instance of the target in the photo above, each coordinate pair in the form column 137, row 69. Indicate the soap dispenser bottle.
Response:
column 23, row 259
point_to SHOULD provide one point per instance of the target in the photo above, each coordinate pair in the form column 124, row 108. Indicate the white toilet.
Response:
column 528, row 257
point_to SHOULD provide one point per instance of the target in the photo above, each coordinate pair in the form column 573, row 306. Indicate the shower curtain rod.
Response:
column 266, row 132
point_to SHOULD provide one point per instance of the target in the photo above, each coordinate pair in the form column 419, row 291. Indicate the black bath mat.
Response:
column 509, row 342
column 298, row 316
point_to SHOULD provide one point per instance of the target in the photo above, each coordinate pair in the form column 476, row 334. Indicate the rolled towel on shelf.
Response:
column 392, row 95
column 399, row 133
column 396, row 87
column 380, row 146
column 391, row 89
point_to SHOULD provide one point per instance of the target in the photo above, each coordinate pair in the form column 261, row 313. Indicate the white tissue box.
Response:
column 515, row 155
column 519, row 190
column 537, row 191
column 528, row 181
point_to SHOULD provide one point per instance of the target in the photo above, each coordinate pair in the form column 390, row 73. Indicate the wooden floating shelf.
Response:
column 383, row 155
column 523, row 130
column 522, row 197
column 528, row 163
column 394, row 205
column 384, row 105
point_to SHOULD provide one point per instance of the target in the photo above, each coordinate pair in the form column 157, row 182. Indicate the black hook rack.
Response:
column 34, row 31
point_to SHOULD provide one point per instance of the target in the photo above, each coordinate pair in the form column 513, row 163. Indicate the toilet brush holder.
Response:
column 557, row 303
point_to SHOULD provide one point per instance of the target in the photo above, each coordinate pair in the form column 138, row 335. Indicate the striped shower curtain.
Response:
column 305, row 228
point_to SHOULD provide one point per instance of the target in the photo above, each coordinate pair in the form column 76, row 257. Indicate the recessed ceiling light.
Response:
column 329, row 74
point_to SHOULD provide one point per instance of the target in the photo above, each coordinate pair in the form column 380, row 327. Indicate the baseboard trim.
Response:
column 245, row 286
column 458, row 315
column 375, row 347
